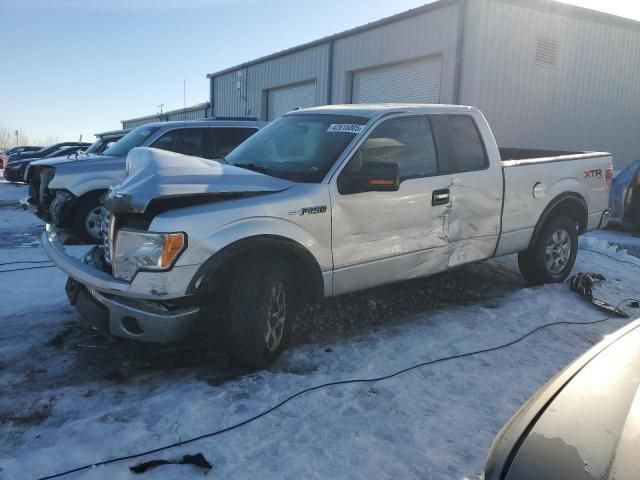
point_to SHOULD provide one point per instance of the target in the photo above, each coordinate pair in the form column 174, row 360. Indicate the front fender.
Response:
column 258, row 226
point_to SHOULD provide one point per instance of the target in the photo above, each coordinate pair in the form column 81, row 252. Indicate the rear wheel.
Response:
column 258, row 323
column 88, row 218
column 551, row 258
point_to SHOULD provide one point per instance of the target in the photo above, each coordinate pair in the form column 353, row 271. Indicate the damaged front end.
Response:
column 54, row 207
column 40, row 197
column 160, row 181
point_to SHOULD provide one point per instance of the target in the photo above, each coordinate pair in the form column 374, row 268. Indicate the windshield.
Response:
column 298, row 147
column 134, row 138
column 49, row 149
column 95, row 147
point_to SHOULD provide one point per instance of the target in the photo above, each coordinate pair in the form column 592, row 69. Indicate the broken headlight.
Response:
column 136, row 250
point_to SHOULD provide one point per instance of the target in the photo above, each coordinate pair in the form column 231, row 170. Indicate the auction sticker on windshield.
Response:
column 345, row 128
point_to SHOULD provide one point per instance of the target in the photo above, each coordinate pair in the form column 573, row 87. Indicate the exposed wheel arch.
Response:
column 91, row 194
column 568, row 204
column 219, row 268
column 79, row 216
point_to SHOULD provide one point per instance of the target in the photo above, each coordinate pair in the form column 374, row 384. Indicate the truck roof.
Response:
column 370, row 110
column 205, row 123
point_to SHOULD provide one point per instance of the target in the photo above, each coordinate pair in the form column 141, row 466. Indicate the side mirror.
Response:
column 372, row 177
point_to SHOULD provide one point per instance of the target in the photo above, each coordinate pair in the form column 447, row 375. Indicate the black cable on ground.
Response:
column 25, row 261
column 325, row 385
column 619, row 260
column 27, row 268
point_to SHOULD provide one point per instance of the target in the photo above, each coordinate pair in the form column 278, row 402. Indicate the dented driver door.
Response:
column 381, row 237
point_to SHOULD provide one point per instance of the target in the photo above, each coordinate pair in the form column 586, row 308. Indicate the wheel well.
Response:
column 219, row 271
column 82, row 198
column 570, row 205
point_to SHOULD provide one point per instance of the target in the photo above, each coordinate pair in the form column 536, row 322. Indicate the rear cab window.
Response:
column 458, row 143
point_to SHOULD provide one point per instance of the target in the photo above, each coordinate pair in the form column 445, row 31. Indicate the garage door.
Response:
column 412, row 82
column 285, row 99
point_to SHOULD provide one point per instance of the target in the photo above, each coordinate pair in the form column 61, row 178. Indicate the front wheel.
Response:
column 258, row 324
column 88, row 218
column 552, row 256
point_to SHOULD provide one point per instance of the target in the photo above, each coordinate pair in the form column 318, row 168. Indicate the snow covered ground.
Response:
column 71, row 397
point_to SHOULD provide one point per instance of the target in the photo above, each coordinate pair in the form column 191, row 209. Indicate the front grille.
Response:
column 46, row 175
column 39, row 179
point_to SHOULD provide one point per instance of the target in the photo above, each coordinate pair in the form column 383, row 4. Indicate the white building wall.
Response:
column 431, row 33
column 196, row 112
column 589, row 100
column 250, row 99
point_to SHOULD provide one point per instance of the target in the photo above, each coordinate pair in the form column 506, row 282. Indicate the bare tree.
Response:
column 11, row 137
column 5, row 137
column 45, row 141
column 20, row 137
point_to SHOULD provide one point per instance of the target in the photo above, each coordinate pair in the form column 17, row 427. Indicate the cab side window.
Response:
column 187, row 141
column 407, row 141
column 229, row 138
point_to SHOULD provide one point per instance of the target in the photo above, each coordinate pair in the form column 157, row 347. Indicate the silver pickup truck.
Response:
column 69, row 192
column 323, row 202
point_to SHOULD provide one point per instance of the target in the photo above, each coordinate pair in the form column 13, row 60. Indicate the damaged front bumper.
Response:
column 121, row 308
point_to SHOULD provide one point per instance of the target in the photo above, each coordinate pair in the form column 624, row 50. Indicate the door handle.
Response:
column 440, row 197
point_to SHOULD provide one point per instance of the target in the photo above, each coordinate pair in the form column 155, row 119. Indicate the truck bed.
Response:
column 530, row 184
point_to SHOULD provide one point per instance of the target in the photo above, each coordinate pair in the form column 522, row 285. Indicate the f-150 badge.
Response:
column 308, row 210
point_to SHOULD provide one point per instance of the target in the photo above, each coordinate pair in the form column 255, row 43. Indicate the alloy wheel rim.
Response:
column 93, row 221
column 276, row 315
column 558, row 251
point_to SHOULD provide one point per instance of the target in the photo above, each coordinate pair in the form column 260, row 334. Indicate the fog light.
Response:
column 131, row 325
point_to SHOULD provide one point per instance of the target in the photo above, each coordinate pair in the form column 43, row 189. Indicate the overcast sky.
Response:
column 72, row 67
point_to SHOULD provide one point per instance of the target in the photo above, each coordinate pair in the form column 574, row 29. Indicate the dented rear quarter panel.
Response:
column 557, row 176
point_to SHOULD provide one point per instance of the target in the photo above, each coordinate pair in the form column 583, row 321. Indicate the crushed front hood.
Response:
column 156, row 174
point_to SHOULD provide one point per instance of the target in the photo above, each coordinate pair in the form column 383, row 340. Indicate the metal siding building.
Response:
column 557, row 77
column 195, row 112
column 545, row 74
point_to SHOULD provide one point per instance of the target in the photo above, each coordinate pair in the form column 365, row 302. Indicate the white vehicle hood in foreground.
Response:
column 157, row 173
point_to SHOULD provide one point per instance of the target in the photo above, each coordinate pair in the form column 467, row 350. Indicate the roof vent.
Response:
column 546, row 52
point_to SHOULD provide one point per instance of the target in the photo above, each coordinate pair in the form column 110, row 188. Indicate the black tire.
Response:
column 81, row 223
column 250, row 304
column 534, row 262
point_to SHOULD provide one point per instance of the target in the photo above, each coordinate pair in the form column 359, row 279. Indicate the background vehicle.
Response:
column 624, row 198
column 583, row 424
column 69, row 192
column 43, row 152
column 322, row 202
column 16, row 169
column 4, row 155
column 105, row 140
